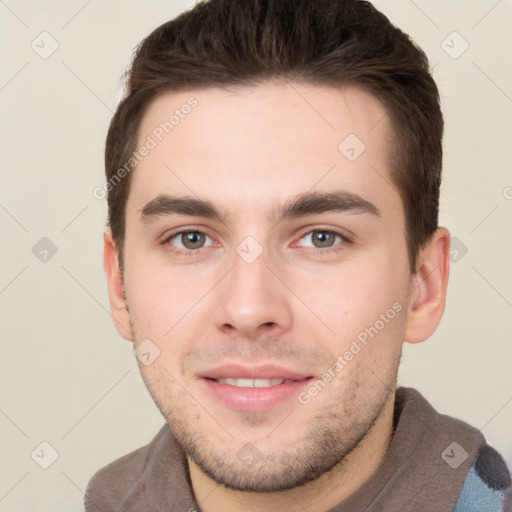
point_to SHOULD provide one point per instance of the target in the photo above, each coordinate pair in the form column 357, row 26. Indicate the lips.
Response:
column 253, row 383
column 271, row 372
column 253, row 389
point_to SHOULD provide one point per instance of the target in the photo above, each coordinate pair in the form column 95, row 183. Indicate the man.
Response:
column 273, row 181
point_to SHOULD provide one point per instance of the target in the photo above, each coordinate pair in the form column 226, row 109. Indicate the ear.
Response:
column 116, row 295
column 428, row 288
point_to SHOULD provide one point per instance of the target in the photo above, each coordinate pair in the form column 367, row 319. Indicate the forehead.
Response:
column 255, row 144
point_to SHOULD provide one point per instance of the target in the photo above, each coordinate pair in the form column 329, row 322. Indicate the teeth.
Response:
column 253, row 383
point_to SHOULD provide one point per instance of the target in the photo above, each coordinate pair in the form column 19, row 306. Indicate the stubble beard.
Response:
column 331, row 435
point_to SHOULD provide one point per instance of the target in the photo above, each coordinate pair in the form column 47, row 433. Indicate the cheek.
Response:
column 351, row 296
column 159, row 296
column 149, row 300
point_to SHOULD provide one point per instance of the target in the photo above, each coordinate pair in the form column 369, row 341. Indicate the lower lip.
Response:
column 254, row 399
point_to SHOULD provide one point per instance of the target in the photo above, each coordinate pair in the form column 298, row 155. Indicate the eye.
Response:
column 323, row 239
column 189, row 240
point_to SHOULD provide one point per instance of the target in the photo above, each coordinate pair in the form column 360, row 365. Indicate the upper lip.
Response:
column 235, row 371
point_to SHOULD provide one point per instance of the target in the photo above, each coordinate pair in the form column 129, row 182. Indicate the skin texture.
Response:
column 299, row 304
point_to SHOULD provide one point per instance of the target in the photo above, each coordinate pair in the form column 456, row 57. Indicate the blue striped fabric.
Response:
column 487, row 487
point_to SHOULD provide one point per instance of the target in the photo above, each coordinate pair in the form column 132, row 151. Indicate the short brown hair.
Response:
column 327, row 42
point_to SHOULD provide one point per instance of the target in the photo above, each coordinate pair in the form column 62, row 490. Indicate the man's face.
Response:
column 268, row 295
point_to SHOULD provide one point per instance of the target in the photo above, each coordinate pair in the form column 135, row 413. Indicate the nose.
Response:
column 252, row 301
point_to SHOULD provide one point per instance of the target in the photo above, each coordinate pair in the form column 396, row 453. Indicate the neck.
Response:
column 323, row 493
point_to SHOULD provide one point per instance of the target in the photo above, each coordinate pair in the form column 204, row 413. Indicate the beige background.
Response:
column 67, row 378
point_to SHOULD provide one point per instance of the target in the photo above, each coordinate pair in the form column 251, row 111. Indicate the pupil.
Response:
column 324, row 238
column 193, row 239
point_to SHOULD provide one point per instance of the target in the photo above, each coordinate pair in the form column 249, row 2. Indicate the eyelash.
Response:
column 183, row 252
column 328, row 250
column 315, row 250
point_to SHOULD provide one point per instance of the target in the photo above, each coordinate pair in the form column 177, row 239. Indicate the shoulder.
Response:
column 123, row 479
column 488, row 485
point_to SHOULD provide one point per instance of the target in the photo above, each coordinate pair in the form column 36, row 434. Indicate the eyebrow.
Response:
column 307, row 203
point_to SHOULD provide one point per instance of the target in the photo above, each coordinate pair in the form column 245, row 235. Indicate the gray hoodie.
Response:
column 435, row 463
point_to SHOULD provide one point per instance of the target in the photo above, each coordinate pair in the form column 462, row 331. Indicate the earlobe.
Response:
column 428, row 288
column 116, row 292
